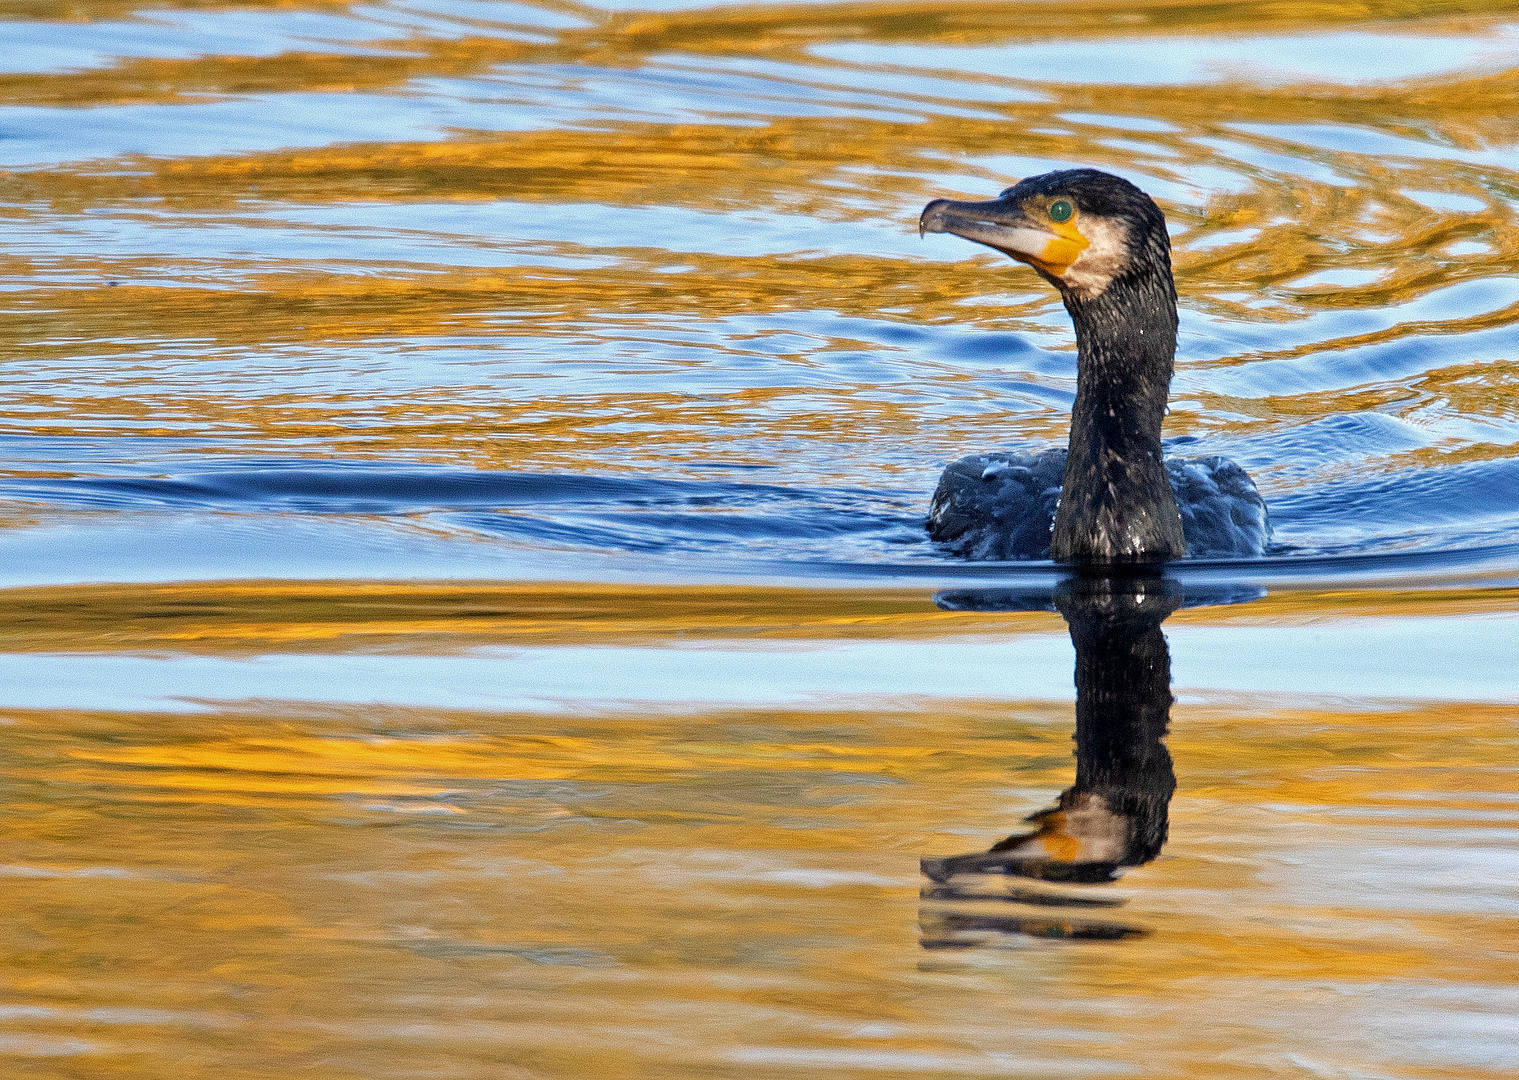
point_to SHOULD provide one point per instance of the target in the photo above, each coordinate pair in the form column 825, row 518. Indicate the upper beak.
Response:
column 1002, row 224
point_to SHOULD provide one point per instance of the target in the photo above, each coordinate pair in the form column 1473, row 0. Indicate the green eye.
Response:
column 1061, row 210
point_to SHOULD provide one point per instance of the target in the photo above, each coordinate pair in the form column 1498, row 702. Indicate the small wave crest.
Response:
column 1451, row 514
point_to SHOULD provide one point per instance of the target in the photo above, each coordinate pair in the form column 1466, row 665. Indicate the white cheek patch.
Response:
column 1106, row 254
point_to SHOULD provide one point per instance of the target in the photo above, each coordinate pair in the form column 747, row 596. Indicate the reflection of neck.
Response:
column 1115, row 501
column 1123, row 702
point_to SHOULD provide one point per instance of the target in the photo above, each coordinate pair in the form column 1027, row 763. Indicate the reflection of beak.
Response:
column 1003, row 225
column 1084, row 839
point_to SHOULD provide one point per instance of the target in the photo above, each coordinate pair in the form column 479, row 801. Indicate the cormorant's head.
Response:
column 1080, row 228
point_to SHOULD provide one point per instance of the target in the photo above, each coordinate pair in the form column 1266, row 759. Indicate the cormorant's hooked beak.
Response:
column 1004, row 225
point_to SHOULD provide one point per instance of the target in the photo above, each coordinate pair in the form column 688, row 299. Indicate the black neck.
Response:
column 1116, row 504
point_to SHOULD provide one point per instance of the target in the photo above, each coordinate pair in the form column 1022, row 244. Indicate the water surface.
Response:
column 461, row 483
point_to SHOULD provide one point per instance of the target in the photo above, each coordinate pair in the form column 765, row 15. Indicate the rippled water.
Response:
column 461, row 482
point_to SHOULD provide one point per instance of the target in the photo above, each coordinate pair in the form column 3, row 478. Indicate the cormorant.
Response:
column 1111, row 498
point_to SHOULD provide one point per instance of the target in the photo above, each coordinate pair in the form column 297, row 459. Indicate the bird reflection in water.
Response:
column 1115, row 815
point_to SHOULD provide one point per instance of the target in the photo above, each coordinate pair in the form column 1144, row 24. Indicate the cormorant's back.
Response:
column 1002, row 506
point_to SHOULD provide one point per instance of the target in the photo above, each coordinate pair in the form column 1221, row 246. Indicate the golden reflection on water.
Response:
column 366, row 890
column 243, row 616
column 1257, row 208
column 577, row 261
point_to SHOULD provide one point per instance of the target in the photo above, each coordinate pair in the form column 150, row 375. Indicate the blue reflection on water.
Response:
column 1467, row 658
column 1348, row 57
